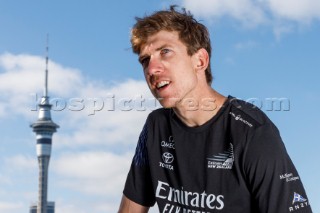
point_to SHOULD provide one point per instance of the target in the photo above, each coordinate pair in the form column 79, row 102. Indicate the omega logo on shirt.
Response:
column 168, row 144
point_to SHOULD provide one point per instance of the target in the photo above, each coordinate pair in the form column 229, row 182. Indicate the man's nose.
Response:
column 155, row 66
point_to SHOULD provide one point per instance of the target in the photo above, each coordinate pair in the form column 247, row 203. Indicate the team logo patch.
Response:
column 298, row 202
column 222, row 160
column 298, row 198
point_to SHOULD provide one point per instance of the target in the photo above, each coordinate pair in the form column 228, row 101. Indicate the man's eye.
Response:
column 144, row 61
column 164, row 51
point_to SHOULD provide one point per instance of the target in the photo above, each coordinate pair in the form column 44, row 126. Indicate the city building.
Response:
column 50, row 207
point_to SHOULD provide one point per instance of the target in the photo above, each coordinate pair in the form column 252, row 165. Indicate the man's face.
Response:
column 168, row 69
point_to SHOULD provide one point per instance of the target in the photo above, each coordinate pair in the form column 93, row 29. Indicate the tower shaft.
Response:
column 43, row 183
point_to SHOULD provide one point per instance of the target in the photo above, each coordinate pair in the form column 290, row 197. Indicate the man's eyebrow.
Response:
column 141, row 57
column 162, row 46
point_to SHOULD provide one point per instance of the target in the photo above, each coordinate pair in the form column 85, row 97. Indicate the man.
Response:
column 202, row 152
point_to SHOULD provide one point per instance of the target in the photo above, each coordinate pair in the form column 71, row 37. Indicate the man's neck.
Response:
column 198, row 110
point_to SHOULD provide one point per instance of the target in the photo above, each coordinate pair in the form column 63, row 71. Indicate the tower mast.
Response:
column 46, row 71
column 44, row 128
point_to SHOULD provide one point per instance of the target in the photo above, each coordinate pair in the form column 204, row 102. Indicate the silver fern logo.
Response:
column 222, row 160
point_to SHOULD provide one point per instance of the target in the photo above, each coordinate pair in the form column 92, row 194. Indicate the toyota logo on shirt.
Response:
column 167, row 157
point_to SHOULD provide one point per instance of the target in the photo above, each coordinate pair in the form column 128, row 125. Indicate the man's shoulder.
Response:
column 245, row 110
column 246, row 117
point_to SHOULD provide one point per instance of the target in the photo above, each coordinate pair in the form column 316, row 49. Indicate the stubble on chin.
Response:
column 168, row 102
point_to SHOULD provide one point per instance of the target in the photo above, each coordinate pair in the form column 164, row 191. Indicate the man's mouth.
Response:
column 162, row 84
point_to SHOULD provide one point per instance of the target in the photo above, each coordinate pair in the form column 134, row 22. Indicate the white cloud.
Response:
column 78, row 207
column 107, row 126
column 4, row 180
column 95, row 164
column 69, row 208
column 273, row 13
column 23, row 75
column 21, row 163
column 299, row 10
column 10, row 206
column 97, row 172
column 247, row 12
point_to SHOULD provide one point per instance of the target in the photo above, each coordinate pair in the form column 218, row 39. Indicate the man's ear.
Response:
column 201, row 58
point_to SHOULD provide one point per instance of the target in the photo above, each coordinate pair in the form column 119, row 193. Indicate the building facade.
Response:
column 50, row 207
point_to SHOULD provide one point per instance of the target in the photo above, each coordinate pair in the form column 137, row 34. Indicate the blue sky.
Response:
column 261, row 50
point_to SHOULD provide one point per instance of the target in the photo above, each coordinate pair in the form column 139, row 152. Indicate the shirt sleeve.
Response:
column 138, row 186
column 271, row 176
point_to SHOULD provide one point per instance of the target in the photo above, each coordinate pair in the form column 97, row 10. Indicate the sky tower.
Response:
column 44, row 128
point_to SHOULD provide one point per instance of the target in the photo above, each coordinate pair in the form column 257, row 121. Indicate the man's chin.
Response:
column 168, row 102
